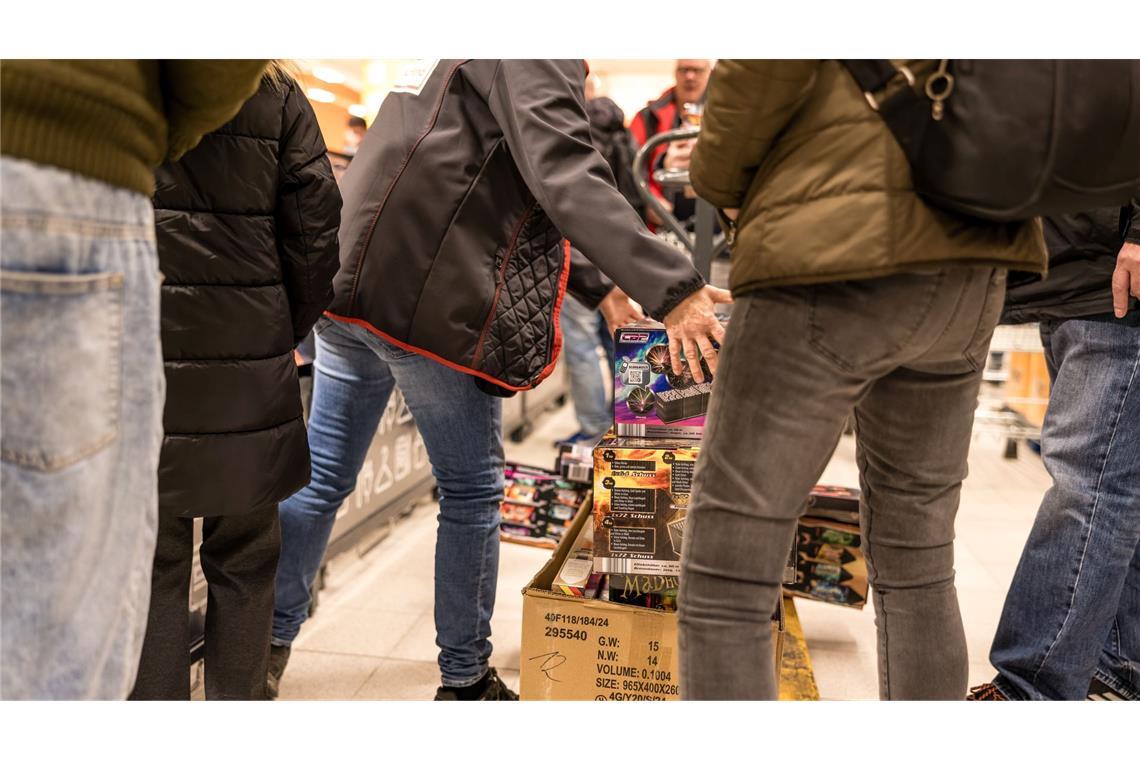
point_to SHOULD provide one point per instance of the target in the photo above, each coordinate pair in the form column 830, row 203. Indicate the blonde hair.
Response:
column 281, row 72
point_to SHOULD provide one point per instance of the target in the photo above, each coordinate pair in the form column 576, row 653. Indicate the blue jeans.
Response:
column 1073, row 609
column 354, row 373
column 81, row 396
column 584, row 331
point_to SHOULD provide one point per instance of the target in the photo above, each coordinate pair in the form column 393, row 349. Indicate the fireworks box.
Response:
column 829, row 559
column 650, row 400
column 641, row 500
column 574, row 648
column 577, row 576
column 658, row 592
column 538, row 505
column 575, row 461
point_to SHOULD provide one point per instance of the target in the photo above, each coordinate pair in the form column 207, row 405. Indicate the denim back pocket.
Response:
column 859, row 324
column 61, row 372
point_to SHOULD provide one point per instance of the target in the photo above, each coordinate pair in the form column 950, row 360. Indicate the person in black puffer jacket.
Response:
column 247, row 239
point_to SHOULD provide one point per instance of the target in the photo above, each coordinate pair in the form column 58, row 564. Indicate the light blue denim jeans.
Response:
column 81, row 398
column 461, row 426
column 1073, row 608
column 584, row 331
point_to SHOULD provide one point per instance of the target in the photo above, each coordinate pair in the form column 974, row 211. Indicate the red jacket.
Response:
column 658, row 116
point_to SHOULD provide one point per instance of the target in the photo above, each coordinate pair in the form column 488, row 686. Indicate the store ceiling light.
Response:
column 359, row 109
column 327, row 74
column 321, row 96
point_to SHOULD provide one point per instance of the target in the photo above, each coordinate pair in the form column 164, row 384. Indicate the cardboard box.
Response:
column 1027, row 390
column 650, row 400
column 586, row 649
column 641, row 499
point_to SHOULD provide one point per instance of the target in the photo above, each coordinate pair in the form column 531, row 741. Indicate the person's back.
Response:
column 247, row 240
column 82, row 387
column 853, row 297
column 615, row 143
column 247, row 225
column 831, row 197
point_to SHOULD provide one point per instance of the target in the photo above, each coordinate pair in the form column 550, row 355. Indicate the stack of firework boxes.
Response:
column 643, row 479
column 598, row 620
column 643, row 472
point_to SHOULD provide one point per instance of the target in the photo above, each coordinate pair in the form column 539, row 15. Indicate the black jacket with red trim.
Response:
column 246, row 226
column 456, row 210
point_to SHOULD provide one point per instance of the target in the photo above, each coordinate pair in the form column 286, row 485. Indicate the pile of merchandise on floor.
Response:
column 539, row 505
column 598, row 620
column 643, row 477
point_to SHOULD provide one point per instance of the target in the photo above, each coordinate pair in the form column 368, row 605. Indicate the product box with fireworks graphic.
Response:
column 538, row 505
column 650, row 400
column 830, row 566
column 641, row 499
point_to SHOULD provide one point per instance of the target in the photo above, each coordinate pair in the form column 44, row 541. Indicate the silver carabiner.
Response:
column 939, row 85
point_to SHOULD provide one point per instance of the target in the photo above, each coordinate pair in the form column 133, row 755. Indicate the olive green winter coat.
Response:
column 823, row 189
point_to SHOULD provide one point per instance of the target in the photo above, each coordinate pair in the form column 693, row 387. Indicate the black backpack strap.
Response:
column 873, row 78
column 904, row 111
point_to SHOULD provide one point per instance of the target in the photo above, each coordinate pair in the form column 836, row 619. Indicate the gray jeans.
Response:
column 905, row 354
column 81, row 396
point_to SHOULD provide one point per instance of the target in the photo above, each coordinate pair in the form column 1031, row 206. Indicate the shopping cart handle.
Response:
column 673, row 178
column 641, row 175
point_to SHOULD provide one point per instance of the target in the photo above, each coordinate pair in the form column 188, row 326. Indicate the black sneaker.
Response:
column 1099, row 691
column 278, row 659
column 488, row 689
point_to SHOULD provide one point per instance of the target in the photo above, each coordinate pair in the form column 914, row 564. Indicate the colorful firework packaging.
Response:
column 641, row 499
column 650, row 400
column 829, row 559
column 538, row 505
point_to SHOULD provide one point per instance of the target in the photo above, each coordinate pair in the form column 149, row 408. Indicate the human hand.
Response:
column 679, row 154
column 618, row 310
column 1126, row 278
column 691, row 325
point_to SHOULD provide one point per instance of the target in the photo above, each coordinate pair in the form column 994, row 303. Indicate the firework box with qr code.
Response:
column 538, row 505
column 641, row 500
column 577, row 648
column 650, row 399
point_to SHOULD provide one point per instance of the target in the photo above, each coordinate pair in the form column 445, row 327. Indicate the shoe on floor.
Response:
column 490, row 688
column 1099, row 691
column 278, row 659
column 987, row 692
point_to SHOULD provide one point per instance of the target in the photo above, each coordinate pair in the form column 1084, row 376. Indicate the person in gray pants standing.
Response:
column 852, row 295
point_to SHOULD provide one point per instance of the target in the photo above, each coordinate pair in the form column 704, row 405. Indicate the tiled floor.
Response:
column 373, row 636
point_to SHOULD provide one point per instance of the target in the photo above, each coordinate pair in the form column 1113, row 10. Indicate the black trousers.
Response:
column 239, row 560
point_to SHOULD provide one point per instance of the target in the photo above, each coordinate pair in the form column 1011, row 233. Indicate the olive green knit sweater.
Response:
column 116, row 120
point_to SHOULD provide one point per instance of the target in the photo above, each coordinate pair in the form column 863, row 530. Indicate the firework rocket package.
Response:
column 650, row 399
